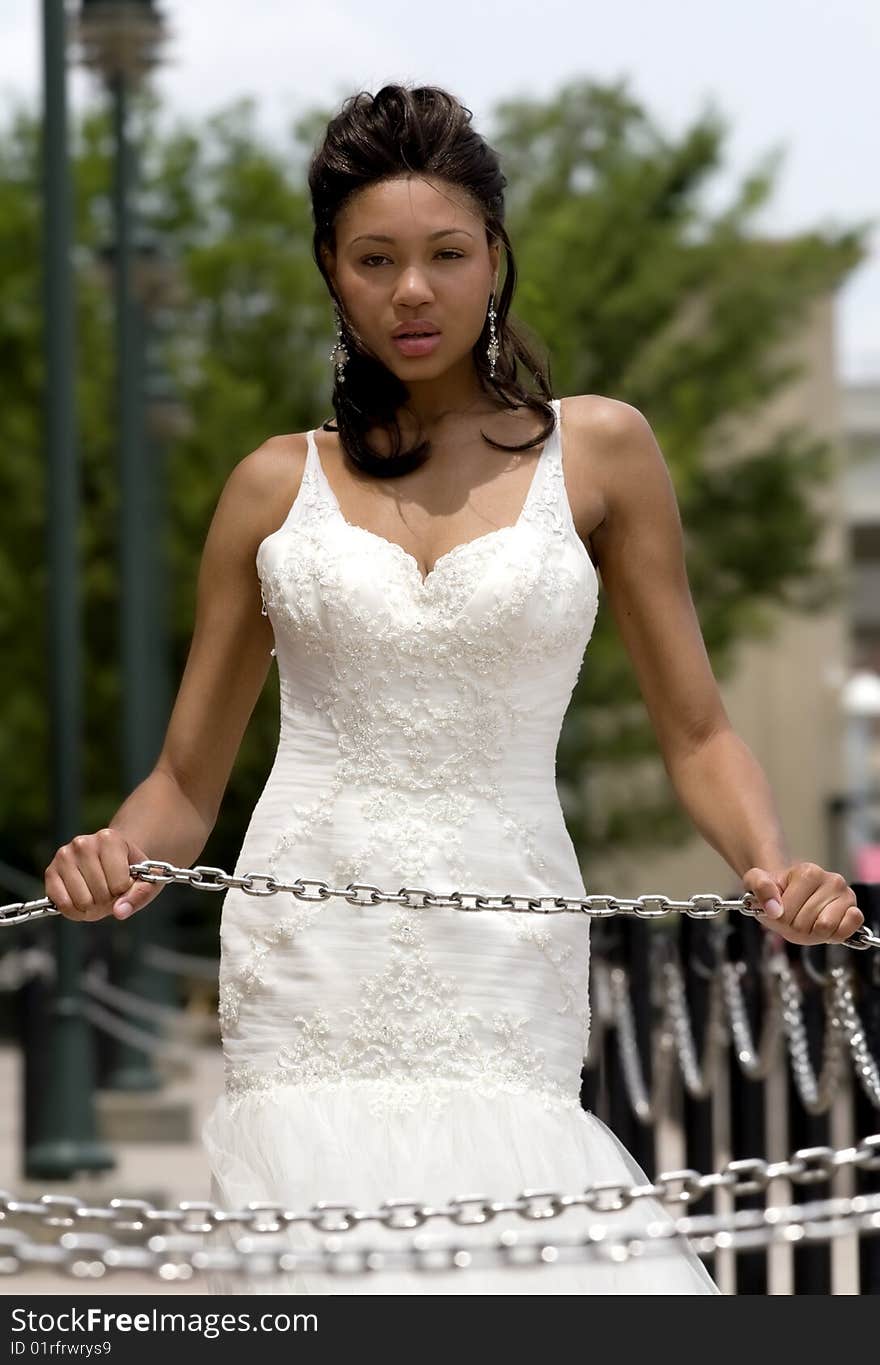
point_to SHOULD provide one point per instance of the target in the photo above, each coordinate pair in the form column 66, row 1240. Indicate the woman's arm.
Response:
column 159, row 816
column 640, row 555
column 172, row 812
column 725, row 791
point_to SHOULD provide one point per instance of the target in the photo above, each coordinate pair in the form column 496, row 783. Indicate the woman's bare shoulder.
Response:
column 267, row 481
column 279, row 458
column 613, row 438
column 594, row 430
column 609, row 421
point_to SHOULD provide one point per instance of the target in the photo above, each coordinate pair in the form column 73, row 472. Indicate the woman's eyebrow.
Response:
column 381, row 237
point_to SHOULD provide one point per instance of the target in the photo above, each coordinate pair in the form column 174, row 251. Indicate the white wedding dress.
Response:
column 380, row 1051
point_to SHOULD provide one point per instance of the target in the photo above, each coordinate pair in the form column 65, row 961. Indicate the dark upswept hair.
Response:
column 397, row 132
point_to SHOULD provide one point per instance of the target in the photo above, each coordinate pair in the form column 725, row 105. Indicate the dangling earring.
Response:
column 492, row 348
column 338, row 353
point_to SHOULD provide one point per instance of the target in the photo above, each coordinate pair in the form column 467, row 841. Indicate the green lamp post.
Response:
column 120, row 42
column 61, row 1136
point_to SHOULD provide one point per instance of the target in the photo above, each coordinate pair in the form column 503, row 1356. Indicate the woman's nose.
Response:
column 412, row 287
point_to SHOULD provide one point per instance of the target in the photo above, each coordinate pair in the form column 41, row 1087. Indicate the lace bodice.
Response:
column 419, row 722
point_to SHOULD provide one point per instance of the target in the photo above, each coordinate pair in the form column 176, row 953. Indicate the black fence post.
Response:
column 747, row 1106
column 698, row 940
column 867, row 1117
column 637, row 1137
column 638, row 941
column 698, row 948
column 591, row 1076
column 812, row 1262
column 33, row 1000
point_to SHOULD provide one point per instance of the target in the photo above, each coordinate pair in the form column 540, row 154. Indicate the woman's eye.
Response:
column 448, row 251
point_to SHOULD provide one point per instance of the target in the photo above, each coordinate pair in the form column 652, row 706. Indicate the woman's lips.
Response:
column 416, row 345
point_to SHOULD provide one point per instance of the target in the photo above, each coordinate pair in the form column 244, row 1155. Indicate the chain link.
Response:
column 850, row 1026
column 182, row 1255
column 647, row 1106
column 706, row 905
column 699, row 1075
column 745, row 1176
column 815, row 1092
column 673, row 1034
column 754, row 1062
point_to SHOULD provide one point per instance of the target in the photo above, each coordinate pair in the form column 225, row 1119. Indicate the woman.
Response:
column 429, row 579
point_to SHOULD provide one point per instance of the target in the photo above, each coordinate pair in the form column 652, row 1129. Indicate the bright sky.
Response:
column 796, row 74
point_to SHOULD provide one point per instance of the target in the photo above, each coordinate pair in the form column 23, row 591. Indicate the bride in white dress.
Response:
column 428, row 632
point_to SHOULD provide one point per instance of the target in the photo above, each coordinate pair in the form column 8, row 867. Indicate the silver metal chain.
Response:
column 750, row 1175
column 815, row 1092
column 755, row 1062
column 699, row 1075
column 646, row 1105
column 180, row 1256
column 852, row 1030
column 783, row 1011
column 706, row 905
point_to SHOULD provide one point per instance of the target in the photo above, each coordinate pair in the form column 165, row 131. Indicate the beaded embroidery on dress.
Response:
column 378, row 1052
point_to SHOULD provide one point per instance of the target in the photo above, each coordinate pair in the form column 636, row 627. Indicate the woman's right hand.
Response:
column 89, row 877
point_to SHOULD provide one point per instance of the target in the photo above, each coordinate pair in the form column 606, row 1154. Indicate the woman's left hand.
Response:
column 816, row 906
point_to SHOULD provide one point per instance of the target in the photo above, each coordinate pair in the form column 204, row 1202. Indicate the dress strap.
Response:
column 318, row 496
column 551, row 504
column 310, row 499
column 322, row 494
column 309, row 469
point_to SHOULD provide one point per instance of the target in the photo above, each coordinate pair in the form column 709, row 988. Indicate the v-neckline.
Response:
column 426, row 580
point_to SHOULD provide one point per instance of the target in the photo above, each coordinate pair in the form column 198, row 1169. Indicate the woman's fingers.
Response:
column 91, row 874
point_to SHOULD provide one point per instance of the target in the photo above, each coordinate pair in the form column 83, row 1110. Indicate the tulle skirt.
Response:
column 295, row 1145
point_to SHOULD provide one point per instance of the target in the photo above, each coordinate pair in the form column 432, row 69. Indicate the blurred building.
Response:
column 861, row 422
column 787, row 696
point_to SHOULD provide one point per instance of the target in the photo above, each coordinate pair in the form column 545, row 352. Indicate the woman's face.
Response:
column 410, row 249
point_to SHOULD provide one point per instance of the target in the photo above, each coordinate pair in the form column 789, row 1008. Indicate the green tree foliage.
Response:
column 638, row 290
column 643, row 293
